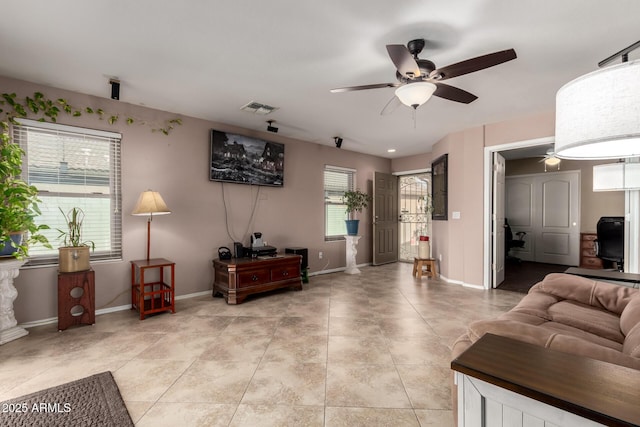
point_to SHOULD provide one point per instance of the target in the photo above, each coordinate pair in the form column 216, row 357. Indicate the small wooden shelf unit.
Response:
column 156, row 296
column 237, row 278
column 76, row 307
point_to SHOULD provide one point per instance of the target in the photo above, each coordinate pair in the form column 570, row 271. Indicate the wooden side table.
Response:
column 429, row 263
column 76, row 291
column 155, row 296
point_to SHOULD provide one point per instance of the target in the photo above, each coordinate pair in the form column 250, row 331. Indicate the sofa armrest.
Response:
column 602, row 295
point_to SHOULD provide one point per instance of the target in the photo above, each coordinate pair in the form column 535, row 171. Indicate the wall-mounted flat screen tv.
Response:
column 245, row 160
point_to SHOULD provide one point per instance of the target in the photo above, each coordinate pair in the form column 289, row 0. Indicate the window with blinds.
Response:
column 73, row 167
column 336, row 181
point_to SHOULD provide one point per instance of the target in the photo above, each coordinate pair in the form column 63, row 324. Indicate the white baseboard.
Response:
column 336, row 270
column 107, row 310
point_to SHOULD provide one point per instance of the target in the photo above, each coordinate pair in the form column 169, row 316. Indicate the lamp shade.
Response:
column 598, row 114
column 616, row 177
column 150, row 202
column 415, row 94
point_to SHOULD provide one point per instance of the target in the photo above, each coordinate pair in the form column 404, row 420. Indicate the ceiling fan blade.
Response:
column 364, row 87
column 403, row 60
column 391, row 106
column 472, row 65
column 453, row 93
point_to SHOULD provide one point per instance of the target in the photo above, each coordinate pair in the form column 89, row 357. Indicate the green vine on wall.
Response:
column 46, row 109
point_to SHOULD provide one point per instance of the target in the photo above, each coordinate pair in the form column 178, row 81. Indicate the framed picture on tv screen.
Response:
column 245, row 160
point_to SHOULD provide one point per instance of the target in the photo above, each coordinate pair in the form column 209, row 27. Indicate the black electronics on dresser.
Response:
column 238, row 250
column 303, row 252
column 304, row 265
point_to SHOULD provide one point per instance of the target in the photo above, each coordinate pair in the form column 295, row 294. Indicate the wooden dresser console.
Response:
column 237, row 278
column 588, row 258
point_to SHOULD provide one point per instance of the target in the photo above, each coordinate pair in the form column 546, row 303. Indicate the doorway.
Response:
column 492, row 230
column 415, row 212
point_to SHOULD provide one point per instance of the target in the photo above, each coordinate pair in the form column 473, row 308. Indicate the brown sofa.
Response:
column 571, row 314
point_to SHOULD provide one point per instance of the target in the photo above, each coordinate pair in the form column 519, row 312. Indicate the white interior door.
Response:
column 520, row 210
column 546, row 207
column 558, row 237
column 497, row 227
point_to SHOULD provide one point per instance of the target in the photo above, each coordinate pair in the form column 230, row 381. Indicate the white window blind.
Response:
column 74, row 167
column 336, row 181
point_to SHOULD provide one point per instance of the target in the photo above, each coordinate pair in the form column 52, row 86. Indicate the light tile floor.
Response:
column 349, row 350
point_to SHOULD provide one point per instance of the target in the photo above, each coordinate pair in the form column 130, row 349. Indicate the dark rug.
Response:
column 91, row 401
column 521, row 276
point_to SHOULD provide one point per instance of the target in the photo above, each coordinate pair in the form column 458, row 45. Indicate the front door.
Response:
column 385, row 218
column 415, row 213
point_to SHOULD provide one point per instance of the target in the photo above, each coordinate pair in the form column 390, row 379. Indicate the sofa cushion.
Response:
column 603, row 295
column 630, row 316
column 587, row 318
column 632, row 342
column 573, row 345
column 570, row 331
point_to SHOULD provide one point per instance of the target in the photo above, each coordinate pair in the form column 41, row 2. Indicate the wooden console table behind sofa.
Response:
column 237, row 278
column 501, row 380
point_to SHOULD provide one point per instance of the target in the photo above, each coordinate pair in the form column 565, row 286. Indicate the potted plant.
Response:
column 355, row 201
column 74, row 254
column 18, row 202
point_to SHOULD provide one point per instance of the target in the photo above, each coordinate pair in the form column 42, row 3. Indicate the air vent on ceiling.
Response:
column 258, row 108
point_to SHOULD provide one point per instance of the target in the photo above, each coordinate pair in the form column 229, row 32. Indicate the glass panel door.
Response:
column 415, row 213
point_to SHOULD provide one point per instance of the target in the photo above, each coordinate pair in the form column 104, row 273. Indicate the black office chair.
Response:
column 609, row 243
column 510, row 242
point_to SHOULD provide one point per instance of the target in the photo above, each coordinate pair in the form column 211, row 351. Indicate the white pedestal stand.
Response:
column 352, row 243
column 9, row 331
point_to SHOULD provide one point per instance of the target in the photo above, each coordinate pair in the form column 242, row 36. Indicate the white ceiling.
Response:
column 208, row 58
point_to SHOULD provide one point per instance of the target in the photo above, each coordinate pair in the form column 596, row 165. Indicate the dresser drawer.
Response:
column 588, row 252
column 591, row 263
column 284, row 272
column 253, row 277
column 587, row 244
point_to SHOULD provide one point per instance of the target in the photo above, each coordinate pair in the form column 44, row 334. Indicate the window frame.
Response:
column 351, row 180
column 113, row 251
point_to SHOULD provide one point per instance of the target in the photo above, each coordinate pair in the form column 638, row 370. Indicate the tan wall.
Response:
column 593, row 205
column 176, row 166
column 461, row 242
column 412, row 163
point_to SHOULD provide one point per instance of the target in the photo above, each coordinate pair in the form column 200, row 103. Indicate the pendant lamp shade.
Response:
column 598, row 114
column 415, row 94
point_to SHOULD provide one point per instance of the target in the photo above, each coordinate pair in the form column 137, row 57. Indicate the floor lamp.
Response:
column 150, row 203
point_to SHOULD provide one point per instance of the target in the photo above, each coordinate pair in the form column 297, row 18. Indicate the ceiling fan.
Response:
column 550, row 159
column 419, row 79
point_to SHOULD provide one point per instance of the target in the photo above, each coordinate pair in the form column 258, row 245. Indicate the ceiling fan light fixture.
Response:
column 598, row 114
column 415, row 94
column 552, row 161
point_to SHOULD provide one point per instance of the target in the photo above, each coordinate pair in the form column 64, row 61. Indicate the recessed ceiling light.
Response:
column 391, row 150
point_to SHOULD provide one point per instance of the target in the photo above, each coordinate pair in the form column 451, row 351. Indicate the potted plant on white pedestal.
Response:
column 355, row 201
